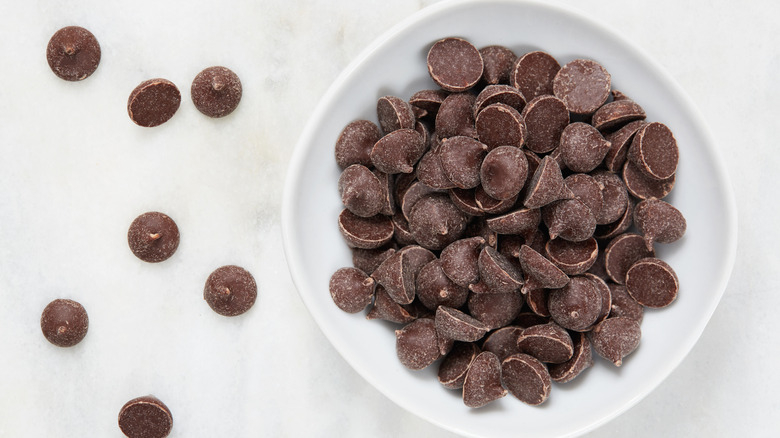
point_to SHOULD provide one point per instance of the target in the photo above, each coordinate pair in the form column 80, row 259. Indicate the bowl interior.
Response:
column 395, row 65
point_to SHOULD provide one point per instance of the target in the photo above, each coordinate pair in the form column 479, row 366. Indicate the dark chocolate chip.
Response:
column 416, row 344
column 499, row 94
column 582, row 147
column 541, row 270
column 483, row 381
column 547, row 342
column 64, row 322
column 394, row 113
column 659, row 221
column 547, row 185
column 355, row 143
column 216, row 91
column 652, row 283
column 153, row 102
column 435, row 222
column 610, row 231
column 615, row 338
column 153, row 237
column 145, row 417
column 466, row 201
column 496, row 273
column 586, row 189
column 537, row 298
column 500, row 125
column 503, row 172
column 502, row 342
column 606, row 296
column 575, row 306
column 398, row 151
column 620, row 141
column 361, row 191
column 654, row 151
column 492, row 205
column 583, row 85
column 533, row 74
column 429, row 100
column 545, row 119
column 452, row 370
column 526, row 378
column 435, row 289
column 623, row 304
column 387, row 309
column 456, row 116
column 622, row 252
column 431, row 173
column 615, row 196
column 573, row 258
column 454, row 324
column 455, row 64
column 351, row 289
column 581, row 359
column 459, row 260
column 367, row 260
column 616, row 114
column 569, row 219
column 365, row 232
column 231, row 290
column 73, row 53
column 495, row 310
column 461, row 158
column 521, row 221
column 498, row 61
column 644, row 187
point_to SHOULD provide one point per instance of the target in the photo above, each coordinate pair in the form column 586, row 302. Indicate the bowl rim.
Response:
column 305, row 142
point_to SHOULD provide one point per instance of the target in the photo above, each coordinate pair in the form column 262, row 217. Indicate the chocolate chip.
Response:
column 355, row 143
column 547, row 342
column 530, row 319
column 216, row 91
column 654, row 151
column 394, row 113
column 64, row 322
column 361, row 191
column 429, row 100
column 416, row 344
column 431, row 173
column 435, row 222
column 499, row 94
column 365, row 232
column 367, row 260
column 569, row 219
column 537, row 298
column 526, row 378
column 495, row 310
column 545, row 119
column 387, row 309
column 521, row 221
column 455, row 64
column 153, row 237
column 452, row 370
column 500, row 125
column 583, row 85
column 659, row 221
column 466, row 201
column 575, row 306
column 492, row 205
column 502, row 342
column 231, row 290
column 539, row 271
column 547, row 185
column 351, row 289
column 497, row 275
column 606, row 296
column 586, row 189
column 461, row 158
column 435, row 289
column 153, row 102
column 616, row 114
column 622, row 252
column 623, row 304
column 456, row 116
column 581, row 359
column 533, row 74
column 145, row 417
column 503, row 172
column 615, row 338
column 615, row 196
column 483, row 381
column 401, row 232
column 398, row 151
column 644, row 187
column 498, row 61
column 459, row 260
column 454, row 324
column 387, row 183
column 582, row 147
column 652, row 283
column 620, row 141
column 573, row 258
column 414, row 193
column 397, row 277
column 610, row 231
column 73, row 53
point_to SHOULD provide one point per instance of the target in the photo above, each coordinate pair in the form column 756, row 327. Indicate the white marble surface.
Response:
column 74, row 172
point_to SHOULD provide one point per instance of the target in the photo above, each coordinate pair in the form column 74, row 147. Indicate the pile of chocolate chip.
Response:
column 492, row 217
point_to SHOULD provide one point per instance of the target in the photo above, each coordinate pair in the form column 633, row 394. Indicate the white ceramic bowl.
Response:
column 395, row 64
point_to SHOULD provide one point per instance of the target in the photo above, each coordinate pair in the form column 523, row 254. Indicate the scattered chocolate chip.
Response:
column 64, row 322
column 355, row 143
column 652, row 282
column 615, row 338
column 367, row 260
column 521, row 221
column 153, row 237
column 455, row 64
column 351, row 289
column 491, row 205
column 216, row 91
column 620, row 226
column 397, row 277
column 73, row 53
column 537, row 299
column 606, row 296
column 615, row 196
column 569, row 219
column 502, row 342
column 387, row 309
column 231, row 290
column 526, row 378
column 456, row 116
column 583, row 85
column 145, row 417
column 497, row 275
column 431, row 173
column 539, row 271
column 586, row 189
column 429, row 100
column 153, row 102
column 483, row 381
